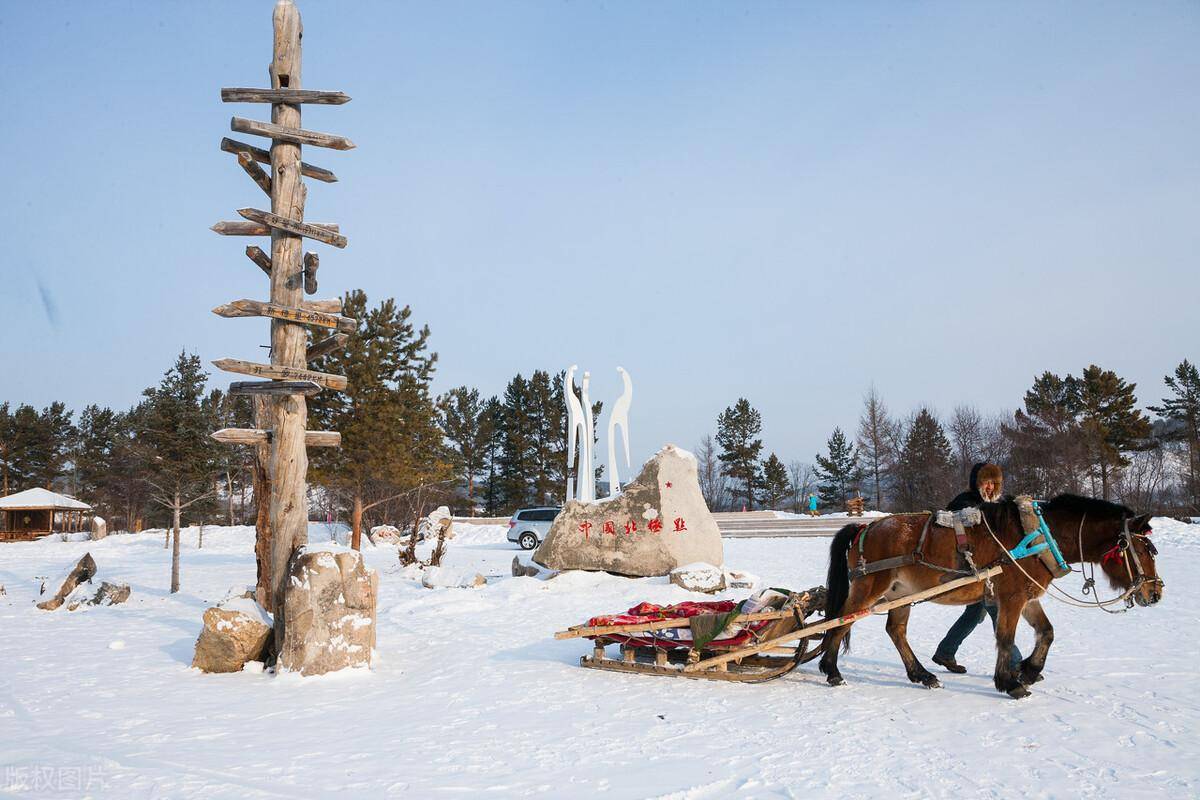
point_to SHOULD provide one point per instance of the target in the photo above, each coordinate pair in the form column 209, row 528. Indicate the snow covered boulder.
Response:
column 699, row 577
column 442, row 578
column 328, row 611
column 82, row 572
column 236, row 632
column 740, row 580
column 659, row 522
column 438, row 521
column 384, row 534
column 99, row 529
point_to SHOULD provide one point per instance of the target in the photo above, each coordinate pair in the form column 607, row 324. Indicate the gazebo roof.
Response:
column 41, row 498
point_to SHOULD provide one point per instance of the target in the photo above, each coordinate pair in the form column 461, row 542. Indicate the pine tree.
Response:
column 776, row 484
column 1047, row 454
column 514, row 477
column 7, row 432
column 926, row 468
column 490, row 437
column 1184, row 410
column 392, row 446
column 837, row 474
column 549, row 425
column 95, row 454
column 460, row 413
column 179, row 459
column 737, row 433
column 1110, row 420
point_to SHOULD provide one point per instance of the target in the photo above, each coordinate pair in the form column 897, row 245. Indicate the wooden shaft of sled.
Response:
column 658, row 625
column 821, row 627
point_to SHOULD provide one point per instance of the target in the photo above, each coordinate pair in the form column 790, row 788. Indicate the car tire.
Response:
column 527, row 540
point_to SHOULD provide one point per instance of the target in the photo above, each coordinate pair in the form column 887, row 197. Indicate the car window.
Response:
column 540, row 515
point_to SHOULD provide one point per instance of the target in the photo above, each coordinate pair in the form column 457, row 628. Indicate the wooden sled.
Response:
column 782, row 647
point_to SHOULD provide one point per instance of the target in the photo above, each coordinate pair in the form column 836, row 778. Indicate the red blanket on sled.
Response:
column 675, row 637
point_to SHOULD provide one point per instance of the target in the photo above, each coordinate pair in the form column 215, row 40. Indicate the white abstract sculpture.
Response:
column 576, row 432
column 586, row 474
column 581, row 432
column 619, row 416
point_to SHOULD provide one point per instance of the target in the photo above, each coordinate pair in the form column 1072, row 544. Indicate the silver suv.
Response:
column 529, row 526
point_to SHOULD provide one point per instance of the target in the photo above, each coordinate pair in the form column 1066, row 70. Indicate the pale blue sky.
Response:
column 785, row 202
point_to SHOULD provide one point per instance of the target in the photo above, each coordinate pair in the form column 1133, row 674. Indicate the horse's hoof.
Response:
column 931, row 682
column 1019, row 692
column 1031, row 678
column 835, row 680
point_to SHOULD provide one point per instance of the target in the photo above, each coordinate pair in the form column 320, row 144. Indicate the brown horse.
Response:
column 1085, row 529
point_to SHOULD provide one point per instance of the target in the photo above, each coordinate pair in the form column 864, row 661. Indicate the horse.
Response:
column 1087, row 530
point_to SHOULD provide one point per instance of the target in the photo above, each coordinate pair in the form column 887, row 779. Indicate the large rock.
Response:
column 659, row 522
column 438, row 521
column 82, row 572
column 99, row 529
column 109, row 594
column 443, row 578
column 699, row 577
column 384, row 534
column 236, row 632
column 329, row 611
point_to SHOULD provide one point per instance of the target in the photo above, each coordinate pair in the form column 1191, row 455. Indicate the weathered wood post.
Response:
column 281, row 436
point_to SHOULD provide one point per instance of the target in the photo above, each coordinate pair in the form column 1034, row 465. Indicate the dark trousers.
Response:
column 971, row 617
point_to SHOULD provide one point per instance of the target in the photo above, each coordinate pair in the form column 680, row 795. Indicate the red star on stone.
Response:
column 668, row 484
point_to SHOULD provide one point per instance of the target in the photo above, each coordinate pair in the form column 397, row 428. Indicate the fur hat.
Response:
column 988, row 472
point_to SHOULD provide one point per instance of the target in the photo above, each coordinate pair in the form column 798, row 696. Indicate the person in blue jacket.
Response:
column 812, row 505
column 987, row 486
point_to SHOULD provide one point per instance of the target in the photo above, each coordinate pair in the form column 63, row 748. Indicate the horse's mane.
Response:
column 1087, row 505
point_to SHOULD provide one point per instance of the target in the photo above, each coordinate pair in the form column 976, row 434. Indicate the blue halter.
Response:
column 1027, row 548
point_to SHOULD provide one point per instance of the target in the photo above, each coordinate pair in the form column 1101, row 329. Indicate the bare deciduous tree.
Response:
column 966, row 431
column 879, row 440
column 712, row 482
column 804, row 482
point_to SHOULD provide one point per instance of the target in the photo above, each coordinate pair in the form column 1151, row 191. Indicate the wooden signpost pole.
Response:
column 280, row 437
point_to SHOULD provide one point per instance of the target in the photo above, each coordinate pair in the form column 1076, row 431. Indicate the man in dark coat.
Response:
column 987, row 486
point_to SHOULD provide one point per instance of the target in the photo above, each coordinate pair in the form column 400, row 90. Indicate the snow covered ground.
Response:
column 471, row 695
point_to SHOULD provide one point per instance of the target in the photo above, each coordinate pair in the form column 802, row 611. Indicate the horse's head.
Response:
column 1129, row 561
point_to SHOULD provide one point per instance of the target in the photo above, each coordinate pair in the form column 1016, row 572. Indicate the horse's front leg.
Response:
column 1008, row 612
column 1031, row 667
column 863, row 593
column 897, row 628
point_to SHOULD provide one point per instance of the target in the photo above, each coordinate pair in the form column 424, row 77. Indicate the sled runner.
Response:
column 762, row 638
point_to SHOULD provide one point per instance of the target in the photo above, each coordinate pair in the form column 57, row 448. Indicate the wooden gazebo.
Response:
column 35, row 513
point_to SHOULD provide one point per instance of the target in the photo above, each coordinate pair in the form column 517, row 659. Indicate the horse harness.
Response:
column 958, row 521
column 1124, row 553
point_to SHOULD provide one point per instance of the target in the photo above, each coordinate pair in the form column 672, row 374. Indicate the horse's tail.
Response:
column 837, row 580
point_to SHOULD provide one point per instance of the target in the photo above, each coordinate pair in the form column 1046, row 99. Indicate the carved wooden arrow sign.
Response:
column 256, row 254
column 305, row 388
column 290, row 96
column 260, row 436
column 326, row 346
column 295, row 226
column 326, row 306
column 239, row 227
column 303, row 316
column 264, row 157
column 282, row 373
column 256, row 173
column 285, row 134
